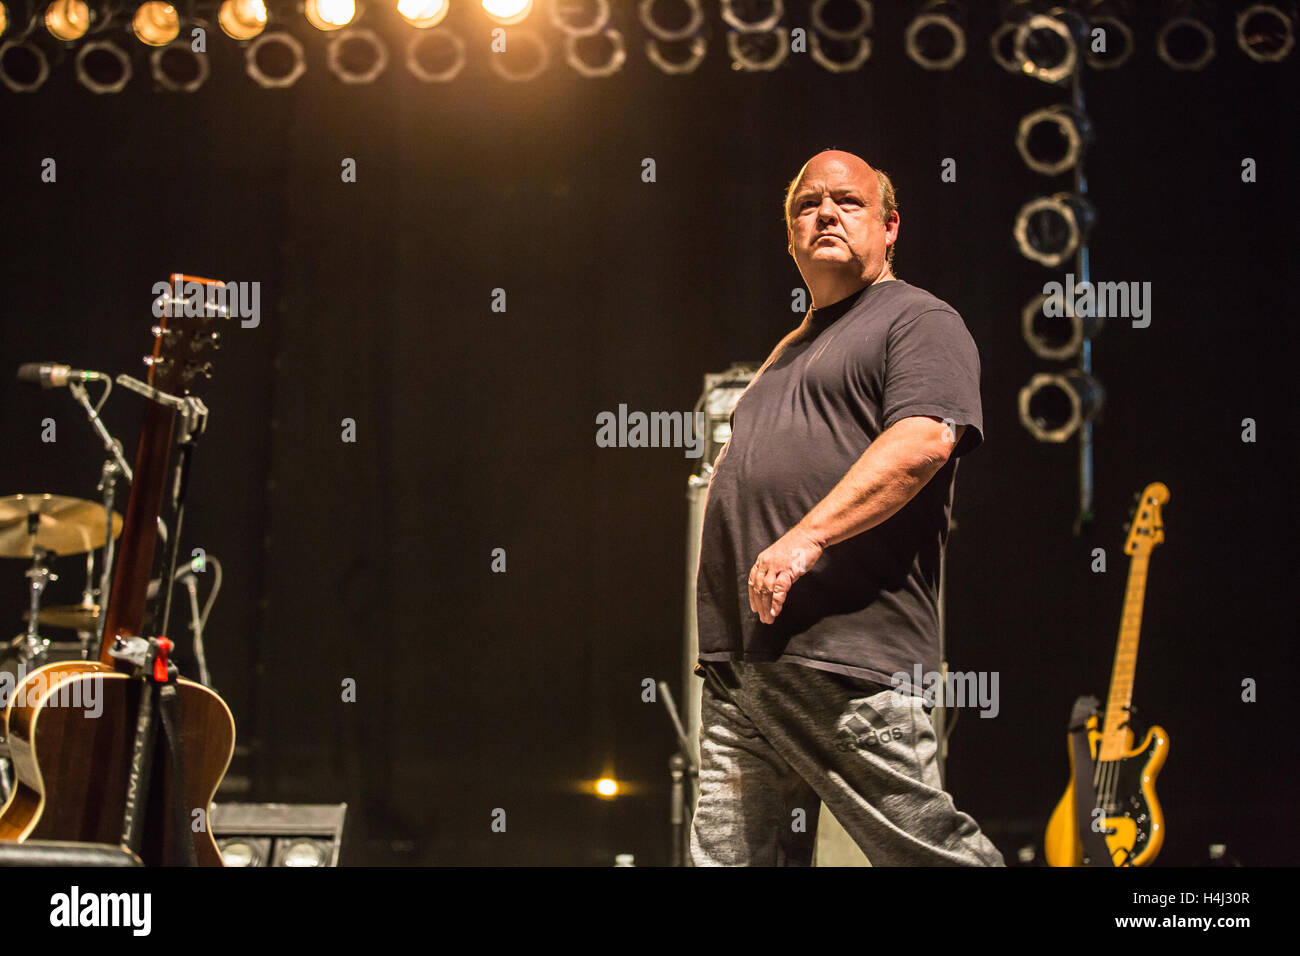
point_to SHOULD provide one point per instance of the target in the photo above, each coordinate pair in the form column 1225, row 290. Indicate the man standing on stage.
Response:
column 819, row 562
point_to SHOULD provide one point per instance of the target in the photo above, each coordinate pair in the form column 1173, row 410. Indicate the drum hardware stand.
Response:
column 684, row 774
column 115, row 467
column 40, row 576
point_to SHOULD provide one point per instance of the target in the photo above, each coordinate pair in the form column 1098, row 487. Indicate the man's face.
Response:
column 834, row 218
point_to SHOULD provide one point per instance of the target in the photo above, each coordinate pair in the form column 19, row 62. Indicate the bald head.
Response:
column 841, row 222
column 853, row 167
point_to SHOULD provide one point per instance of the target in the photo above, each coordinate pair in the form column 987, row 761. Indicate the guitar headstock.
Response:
column 1147, row 529
column 190, row 311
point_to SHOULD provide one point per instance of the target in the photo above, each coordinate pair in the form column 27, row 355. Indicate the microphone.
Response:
column 55, row 376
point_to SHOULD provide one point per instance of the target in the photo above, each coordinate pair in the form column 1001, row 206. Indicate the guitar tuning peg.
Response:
column 1127, row 525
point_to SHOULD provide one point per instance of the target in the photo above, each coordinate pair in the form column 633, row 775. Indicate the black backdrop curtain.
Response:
column 474, row 429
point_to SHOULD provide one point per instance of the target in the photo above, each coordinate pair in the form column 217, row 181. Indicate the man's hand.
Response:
column 777, row 568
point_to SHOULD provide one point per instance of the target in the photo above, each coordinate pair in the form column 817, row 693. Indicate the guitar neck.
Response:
column 129, row 597
column 1114, row 741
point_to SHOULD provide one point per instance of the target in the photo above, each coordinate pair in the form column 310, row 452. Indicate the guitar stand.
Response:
column 158, row 698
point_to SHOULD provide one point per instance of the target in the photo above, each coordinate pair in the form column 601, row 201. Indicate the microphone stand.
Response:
column 115, row 467
column 682, row 770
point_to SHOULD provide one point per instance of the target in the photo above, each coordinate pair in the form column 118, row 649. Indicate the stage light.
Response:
column 1047, row 46
column 275, row 60
column 507, row 12
column 756, row 51
column 435, row 57
column 242, row 19
column 1111, row 17
column 1051, row 140
column 849, row 55
column 607, row 787
column 1055, row 337
column 156, row 23
column 1054, row 405
column 357, row 56
column 176, row 67
column 1002, row 41
column 24, row 67
column 525, row 59
column 103, row 67
column 567, row 16
column 678, row 57
column 936, row 37
column 762, row 15
column 4, row 19
column 302, row 852
column 1265, row 33
column 245, row 852
column 423, row 14
column 585, row 64
column 67, row 20
column 1049, row 229
column 1184, row 42
column 847, row 20
column 330, row 14
column 651, row 14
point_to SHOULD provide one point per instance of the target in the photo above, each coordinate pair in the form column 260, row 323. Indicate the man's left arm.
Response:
column 889, row 474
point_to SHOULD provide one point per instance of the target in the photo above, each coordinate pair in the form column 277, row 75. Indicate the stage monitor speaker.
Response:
column 63, row 853
column 279, row 834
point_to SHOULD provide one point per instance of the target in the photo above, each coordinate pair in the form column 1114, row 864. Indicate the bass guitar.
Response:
column 1124, row 809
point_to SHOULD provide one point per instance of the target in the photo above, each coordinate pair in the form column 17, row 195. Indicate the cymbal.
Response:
column 77, row 617
column 62, row 525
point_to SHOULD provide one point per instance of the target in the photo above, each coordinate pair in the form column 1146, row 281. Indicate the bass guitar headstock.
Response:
column 1147, row 529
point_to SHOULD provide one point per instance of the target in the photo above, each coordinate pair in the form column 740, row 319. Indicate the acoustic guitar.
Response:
column 73, row 764
column 1125, row 811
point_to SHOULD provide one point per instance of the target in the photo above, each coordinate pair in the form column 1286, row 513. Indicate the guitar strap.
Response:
column 1095, row 850
column 182, row 842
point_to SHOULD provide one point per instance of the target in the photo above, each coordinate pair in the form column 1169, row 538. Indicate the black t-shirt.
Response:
column 869, row 607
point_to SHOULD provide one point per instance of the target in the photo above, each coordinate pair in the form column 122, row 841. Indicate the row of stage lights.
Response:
column 839, row 39
column 1053, row 230
column 158, row 23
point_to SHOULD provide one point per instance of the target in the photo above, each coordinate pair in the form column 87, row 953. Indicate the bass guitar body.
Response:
column 70, row 725
column 1126, row 794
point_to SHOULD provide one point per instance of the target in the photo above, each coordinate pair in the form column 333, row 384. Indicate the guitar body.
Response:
column 68, row 740
column 1133, row 818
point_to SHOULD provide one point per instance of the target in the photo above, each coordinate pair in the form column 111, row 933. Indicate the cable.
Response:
column 199, row 619
column 108, row 387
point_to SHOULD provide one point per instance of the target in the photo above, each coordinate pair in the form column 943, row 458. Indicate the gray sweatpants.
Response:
column 777, row 738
